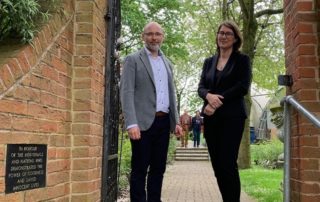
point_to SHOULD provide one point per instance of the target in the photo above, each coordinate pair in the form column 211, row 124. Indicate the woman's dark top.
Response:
column 232, row 83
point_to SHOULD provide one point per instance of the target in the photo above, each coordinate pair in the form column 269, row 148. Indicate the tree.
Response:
column 254, row 14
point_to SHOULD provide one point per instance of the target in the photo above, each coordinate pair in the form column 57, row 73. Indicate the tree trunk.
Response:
column 250, row 27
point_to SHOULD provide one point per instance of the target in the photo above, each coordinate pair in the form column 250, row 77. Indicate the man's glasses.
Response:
column 157, row 34
column 227, row 34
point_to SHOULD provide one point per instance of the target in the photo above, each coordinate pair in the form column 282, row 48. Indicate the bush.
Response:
column 266, row 153
column 19, row 18
column 125, row 164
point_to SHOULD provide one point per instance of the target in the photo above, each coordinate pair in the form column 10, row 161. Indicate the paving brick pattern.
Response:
column 187, row 181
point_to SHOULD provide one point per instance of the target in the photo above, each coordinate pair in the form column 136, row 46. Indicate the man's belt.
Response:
column 159, row 114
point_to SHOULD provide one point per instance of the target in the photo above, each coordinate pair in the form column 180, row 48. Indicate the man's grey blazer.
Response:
column 138, row 91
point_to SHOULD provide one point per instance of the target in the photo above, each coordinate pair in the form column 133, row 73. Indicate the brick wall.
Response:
column 302, row 46
column 51, row 92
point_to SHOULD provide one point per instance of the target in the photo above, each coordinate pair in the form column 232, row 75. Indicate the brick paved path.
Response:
column 187, row 181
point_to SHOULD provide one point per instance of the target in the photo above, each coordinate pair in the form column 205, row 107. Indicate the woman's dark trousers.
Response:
column 149, row 156
column 223, row 137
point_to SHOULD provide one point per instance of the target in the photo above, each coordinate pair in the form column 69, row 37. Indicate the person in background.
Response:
column 185, row 120
column 149, row 107
column 225, row 80
column 196, row 128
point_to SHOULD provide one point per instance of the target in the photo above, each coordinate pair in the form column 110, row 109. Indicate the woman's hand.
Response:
column 209, row 110
column 214, row 100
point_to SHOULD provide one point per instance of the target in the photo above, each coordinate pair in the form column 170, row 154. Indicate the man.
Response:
column 185, row 120
column 149, row 108
column 196, row 128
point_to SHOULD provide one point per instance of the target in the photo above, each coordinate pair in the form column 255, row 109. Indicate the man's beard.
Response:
column 152, row 47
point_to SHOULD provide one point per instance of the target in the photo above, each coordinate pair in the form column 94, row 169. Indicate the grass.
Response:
column 262, row 184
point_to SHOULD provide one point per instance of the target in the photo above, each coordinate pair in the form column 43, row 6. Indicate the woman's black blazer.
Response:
column 233, row 84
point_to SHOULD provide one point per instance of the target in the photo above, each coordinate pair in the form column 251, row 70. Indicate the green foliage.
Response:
column 266, row 152
column 172, row 149
column 262, row 184
column 125, row 163
column 135, row 14
column 19, row 18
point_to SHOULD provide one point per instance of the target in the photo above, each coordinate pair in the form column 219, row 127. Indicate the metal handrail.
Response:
column 316, row 121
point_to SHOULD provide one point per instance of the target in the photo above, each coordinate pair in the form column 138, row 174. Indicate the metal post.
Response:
column 286, row 176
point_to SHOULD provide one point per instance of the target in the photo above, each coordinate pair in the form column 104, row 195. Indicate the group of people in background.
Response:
column 193, row 125
column 148, row 101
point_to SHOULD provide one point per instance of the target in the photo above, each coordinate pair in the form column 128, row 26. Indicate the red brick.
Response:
column 85, row 28
column 2, row 169
column 25, row 124
column 5, row 123
column 37, row 46
column 84, row 163
column 306, row 61
column 15, row 197
column 305, row 39
column 59, row 65
column 84, row 187
column 64, row 103
column 6, row 76
column 30, row 54
column 308, row 164
column 304, row 6
column 81, row 128
column 309, row 152
column 305, row 27
column 82, row 61
column 49, row 72
column 13, row 106
column 48, row 99
column 57, row 191
column 310, row 188
column 65, row 80
column 303, row 95
column 310, row 175
column 42, row 40
column 309, row 198
column 305, row 72
column 24, row 64
column 15, row 68
column 67, row 58
column 84, row 50
column 39, row 194
column 52, row 153
column 47, row 126
column 63, row 153
column 2, row 153
column 2, row 183
column 58, row 165
column 27, row 94
column 58, row 178
column 304, row 84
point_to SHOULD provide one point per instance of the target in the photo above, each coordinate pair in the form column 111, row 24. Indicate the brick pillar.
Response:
column 302, row 47
column 88, row 96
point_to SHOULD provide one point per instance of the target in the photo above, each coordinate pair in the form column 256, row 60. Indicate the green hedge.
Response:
column 19, row 19
column 266, row 153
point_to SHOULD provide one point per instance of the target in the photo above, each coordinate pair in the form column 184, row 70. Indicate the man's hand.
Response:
column 178, row 131
column 209, row 110
column 214, row 100
column 134, row 133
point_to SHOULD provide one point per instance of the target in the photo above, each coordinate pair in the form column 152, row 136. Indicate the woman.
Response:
column 225, row 80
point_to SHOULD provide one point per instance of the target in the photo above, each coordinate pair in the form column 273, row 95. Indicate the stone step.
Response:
column 191, row 154
column 192, row 159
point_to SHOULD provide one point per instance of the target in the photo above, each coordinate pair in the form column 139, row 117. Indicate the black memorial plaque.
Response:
column 26, row 166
